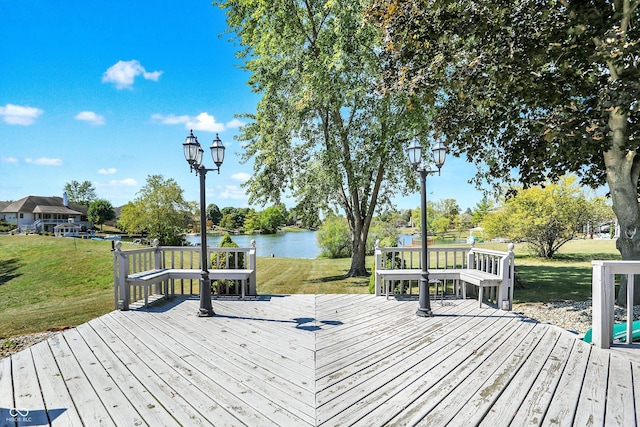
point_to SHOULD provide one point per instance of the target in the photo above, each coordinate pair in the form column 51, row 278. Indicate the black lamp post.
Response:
column 194, row 153
column 415, row 159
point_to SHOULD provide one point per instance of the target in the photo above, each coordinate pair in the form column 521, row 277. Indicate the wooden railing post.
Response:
column 602, row 293
column 505, row 293
column 252, row 265
column 121, row 290
column 377, row 265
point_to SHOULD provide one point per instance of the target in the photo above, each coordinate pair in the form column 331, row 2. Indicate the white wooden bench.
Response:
column 141, row 269
column 477, row 267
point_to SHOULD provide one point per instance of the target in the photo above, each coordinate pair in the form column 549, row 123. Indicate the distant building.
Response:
column 43, row 214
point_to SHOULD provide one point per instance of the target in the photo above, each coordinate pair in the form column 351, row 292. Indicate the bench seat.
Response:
column 147, row 278
column 478, row 278
column 214, row 274
column 481, row 279
column 416, row 274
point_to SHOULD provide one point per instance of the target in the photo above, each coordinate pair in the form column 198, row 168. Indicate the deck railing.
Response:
column 603, row 288
column 155, row 257
column 439, row 257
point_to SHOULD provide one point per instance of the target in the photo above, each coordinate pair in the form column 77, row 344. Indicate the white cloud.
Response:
column 117, row 191
column 123, row 73
column 91, row 117
column 19, row 115
column 203, row 122
column 107, row 171
column 44, row 161
column 235, row 123
column 10, row 160
column 232, row 192
column 127, row 182
column 241, row 176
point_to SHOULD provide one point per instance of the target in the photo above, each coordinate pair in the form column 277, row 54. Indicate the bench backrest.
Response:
column 409, row 257
column 157, row 257
column 494, row 262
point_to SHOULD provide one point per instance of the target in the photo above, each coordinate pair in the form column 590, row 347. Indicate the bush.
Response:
column 390, row 261
column 219, row 261
column 6, row 226
column 334, row 238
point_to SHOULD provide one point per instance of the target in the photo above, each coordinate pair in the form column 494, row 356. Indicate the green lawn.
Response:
column 51, row 283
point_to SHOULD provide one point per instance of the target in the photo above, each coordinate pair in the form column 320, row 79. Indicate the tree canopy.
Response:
column 322, row 132
column 539, row 87
column 159, row 210
column 100, row 211
column 545, row 217
column 80, row 193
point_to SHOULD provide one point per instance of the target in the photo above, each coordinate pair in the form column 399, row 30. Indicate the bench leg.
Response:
column 480, row 289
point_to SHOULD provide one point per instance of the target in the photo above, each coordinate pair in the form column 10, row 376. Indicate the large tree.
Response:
column 100, row 211
column 159, row 210
column 322, row 131
column 81, row 193
column 545, row 217
column 542, row 87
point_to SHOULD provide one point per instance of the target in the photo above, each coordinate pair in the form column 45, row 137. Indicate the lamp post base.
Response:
column 424, row 312
column 206, row 309
column 204, row 312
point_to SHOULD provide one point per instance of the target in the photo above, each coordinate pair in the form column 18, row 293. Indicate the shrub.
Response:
column 334, row 238
column 390, row 261
column 219, row 261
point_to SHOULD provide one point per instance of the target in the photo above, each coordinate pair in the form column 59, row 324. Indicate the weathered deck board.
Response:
column 531, row 410
column 329, row 360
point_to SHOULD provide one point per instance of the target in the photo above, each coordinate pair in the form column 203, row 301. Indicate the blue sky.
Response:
column 106, row 92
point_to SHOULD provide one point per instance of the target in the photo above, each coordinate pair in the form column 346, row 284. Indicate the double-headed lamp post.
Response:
column 415, row 159
column 193, row 152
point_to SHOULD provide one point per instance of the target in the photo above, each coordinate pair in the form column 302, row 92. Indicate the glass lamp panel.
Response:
column 414, row 152
column 439, row 154
column 191, row 147
column 217, row 151
column 198, row 160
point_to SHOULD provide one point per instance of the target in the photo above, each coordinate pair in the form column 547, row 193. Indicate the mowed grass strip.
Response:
column 48, row 283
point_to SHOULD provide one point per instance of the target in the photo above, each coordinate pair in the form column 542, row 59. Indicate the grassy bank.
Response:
column 51, row 283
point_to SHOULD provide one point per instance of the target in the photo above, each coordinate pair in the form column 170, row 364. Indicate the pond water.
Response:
column 298, row 244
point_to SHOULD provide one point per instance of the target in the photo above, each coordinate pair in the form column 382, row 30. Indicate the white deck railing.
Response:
column 132, row 261
column 603, row 287
column 457, row 260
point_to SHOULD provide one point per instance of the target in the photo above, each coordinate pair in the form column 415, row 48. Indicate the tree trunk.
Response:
column 358, row 258
column 623, row 170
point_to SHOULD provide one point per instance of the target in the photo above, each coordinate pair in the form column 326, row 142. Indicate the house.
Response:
column 43, row 214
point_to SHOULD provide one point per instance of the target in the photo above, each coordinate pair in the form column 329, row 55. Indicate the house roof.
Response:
column 63, row 226
column 55, row 210
column 39, row 204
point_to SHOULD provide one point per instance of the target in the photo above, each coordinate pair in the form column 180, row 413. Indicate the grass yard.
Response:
column 49, row 283
column 566, row 277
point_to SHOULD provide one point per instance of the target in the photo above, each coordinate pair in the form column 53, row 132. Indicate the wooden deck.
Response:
column 325, row 360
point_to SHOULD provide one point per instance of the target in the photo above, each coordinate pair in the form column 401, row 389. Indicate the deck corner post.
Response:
column 602, row 290
column 377, row 265
column 123, row 300
column 253, row 285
